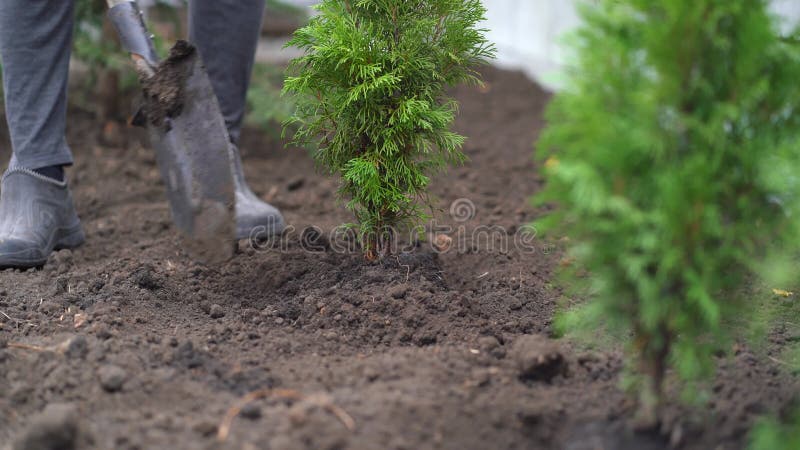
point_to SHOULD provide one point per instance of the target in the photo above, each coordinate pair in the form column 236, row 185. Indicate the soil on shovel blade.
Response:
column 126, row 343
column 164, row 91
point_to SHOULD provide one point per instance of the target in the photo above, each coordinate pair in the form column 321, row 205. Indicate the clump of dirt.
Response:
column 164, row 91
column 56, row 428
column 538, row 358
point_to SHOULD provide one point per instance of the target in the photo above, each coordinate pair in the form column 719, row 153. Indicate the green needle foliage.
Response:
column 773, row 435
column 674, row 169
column 371, row 97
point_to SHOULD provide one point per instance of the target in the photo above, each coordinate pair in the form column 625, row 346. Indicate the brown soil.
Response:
column 132, row 345
column 164, row 91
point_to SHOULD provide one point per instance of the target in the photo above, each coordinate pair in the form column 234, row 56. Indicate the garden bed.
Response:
column 425, row 350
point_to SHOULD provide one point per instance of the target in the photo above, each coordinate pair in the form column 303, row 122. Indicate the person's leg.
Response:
column 226, row 33
column 35, row 43
column 37, row 215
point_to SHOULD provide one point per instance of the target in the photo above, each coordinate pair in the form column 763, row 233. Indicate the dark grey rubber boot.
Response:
column 37, row 216
column 255, row 219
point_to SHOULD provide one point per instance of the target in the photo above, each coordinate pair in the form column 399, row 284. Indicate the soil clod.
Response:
column 77, row 347
column 55, row 428
column 216, row 311
column 145, row 277
column 399, row 292
column 112, row 378
column 538, row 358
column 164, row 91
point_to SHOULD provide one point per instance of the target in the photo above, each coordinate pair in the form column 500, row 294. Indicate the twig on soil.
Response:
column 34, row 348
column 16, row 321
column 408, row 268
column 483, row 275
column 286, row 394
column 9, row 317
column 60, row 348
column 778, row 361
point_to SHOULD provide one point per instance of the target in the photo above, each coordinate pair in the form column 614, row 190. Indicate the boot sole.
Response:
column 71, row 238
column 65, row 239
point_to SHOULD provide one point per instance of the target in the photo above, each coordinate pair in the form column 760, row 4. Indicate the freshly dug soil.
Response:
column 164, row 91
column 150, row 350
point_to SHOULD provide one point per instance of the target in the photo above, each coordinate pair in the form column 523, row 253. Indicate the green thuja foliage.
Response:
column 770, row 434
column 673, row 167
column 371, row 96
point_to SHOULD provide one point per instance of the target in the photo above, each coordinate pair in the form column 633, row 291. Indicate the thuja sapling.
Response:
column 371, row 98
column 673, row 165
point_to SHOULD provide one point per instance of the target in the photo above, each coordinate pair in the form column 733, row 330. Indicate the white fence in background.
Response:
column 528, row 33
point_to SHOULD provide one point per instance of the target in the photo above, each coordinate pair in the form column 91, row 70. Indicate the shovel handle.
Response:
column 129, row 23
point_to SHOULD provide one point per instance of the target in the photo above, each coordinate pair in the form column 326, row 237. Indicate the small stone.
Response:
column 79, row 320
column 251, row 411
column 279, row 321
column 112, row 378
column 216, row 311
column 398, row 292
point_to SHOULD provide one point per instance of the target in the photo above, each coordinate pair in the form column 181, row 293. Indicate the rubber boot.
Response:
column 37, row 216
column 255, row 219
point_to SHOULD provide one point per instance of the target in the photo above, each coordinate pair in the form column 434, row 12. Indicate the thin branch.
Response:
column 34, row 348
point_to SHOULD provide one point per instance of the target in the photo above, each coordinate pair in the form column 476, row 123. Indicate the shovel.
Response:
column 187, row 130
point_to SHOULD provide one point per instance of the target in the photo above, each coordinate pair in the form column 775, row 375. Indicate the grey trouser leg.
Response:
column 35, row 43
column 226, row 33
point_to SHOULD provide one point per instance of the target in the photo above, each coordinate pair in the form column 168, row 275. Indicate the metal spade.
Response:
column 188, row 133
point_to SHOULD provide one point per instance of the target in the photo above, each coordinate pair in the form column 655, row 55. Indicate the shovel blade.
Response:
column 193, row 157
